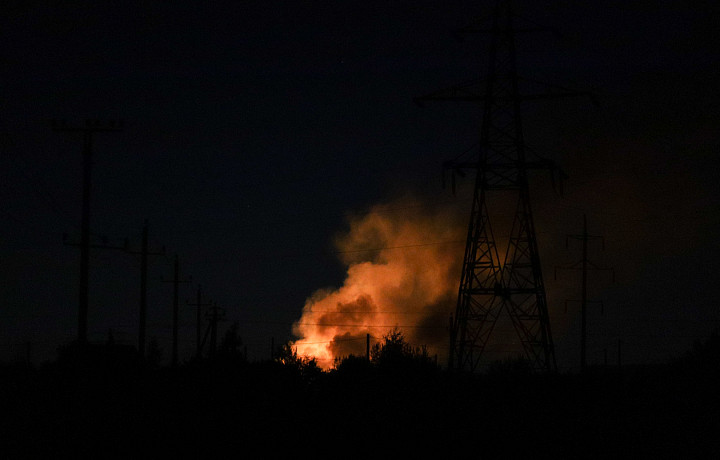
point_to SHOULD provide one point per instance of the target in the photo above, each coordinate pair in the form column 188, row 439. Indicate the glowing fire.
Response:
column 403, row 270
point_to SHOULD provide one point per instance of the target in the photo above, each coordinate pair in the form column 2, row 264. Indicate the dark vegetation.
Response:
column 399, row 403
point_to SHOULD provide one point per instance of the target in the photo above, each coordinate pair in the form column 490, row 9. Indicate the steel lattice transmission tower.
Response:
column 490, row 285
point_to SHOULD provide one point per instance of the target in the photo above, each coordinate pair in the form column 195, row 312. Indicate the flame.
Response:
column 403, row 271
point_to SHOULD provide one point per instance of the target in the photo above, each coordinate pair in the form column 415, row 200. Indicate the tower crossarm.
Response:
column 504, row 175
column 475, row 92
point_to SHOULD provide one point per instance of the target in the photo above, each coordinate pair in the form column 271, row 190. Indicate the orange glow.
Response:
column 403, row 270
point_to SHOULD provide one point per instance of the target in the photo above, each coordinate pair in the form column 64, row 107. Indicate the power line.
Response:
column 360, row 326
column 286, row 254
column 355, row 312
column 400, row 247
column 334, row 341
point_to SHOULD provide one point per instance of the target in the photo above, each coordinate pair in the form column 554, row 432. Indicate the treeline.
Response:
column 398, row 403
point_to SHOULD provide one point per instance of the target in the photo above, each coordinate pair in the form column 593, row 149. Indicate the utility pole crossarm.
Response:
column 480, row 26
column 590, row 265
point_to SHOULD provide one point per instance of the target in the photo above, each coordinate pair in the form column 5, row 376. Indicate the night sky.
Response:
column 251, row 132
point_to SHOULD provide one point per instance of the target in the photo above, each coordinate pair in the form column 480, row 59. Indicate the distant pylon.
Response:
column 584, row 265
column 488, row 283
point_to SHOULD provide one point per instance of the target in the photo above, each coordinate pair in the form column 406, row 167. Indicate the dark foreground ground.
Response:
column 267, row 410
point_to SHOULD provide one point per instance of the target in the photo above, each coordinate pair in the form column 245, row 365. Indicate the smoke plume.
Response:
column 403, row 265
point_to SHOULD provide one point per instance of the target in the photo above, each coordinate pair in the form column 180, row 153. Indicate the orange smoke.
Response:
column 403, row 270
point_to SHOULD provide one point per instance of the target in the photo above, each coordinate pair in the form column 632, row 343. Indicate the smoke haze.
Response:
column 403, row 264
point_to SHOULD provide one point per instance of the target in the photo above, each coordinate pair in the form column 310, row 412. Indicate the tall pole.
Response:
column 142, row 318
column 85, row 239
column 583, row 300
column 143, row 291
column 175, row 312
column 213, row 332
column 199, row 304
column 176, row 284
column 198, row 332
column 91, row 127
column 367, row 347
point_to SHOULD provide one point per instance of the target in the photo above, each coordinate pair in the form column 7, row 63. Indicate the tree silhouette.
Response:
column 352, row 364
column 395, row 352
column 305, row 366
column 231, row 343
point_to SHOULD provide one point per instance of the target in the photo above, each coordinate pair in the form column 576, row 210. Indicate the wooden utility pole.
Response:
column 176, row 282
column 367, row 347
column 91, row 127
column 213, row 333
column 214, row 315
column 144, row 253
column 199, row 304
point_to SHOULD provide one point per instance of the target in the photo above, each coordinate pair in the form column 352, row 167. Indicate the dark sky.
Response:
column 250, row 132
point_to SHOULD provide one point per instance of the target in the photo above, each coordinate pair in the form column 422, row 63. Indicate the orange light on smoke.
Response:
column 403, row 270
